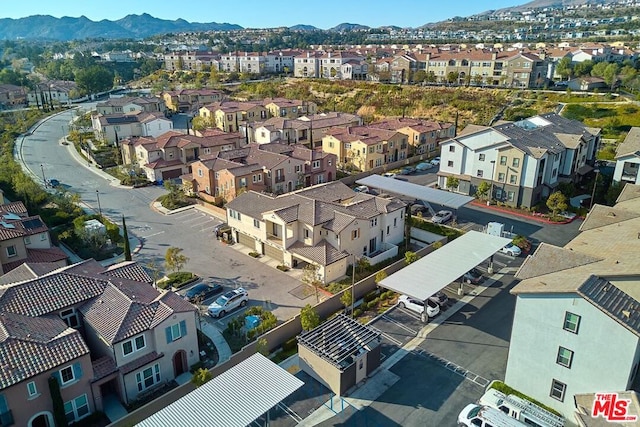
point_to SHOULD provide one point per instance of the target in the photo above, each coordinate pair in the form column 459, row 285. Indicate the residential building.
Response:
column 523, row 161
column 97, row 330
column 25, row 238
column 324, row 225
column 582, row 299
column 365, row 147
column 290, row 108
column 191, row 60
column 281, row 61
column 423, row 135
column 12, row 96
column 343, row 66
column 189, row 100
column 243, row 62
column 127, row 104
column 307, row 64
column 229, row 115
column 628, row 158
column 51, row 93
column 119, row 126
column 307, row 130
column 170, row 155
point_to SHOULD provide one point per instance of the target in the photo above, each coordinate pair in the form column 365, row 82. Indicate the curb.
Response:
column 530, row 217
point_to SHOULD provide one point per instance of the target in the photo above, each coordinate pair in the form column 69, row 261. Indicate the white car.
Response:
column 512, row 250
column 228, row 302
column 424, row 166
column 361, row 189
column 442, row 217
column 405, row 301
column 389, row 175
column 435, row 161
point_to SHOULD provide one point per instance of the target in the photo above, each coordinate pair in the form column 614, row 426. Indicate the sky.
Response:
column 263, row 13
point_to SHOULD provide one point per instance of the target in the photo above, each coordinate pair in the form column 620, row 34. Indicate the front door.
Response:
column 179, row 363
column 361, row 367
column 41, row 420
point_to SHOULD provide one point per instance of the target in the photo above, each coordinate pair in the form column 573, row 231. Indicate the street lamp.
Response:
column 595, row 184
column 99, row 207
column 44, row 179
column 493, row 165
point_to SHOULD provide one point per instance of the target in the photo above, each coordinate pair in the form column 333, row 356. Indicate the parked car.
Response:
column 442, row 217
column 407, row 170
column 220, row 229
column 361, row 189
column 435, row 161
column 203, row 291
column 472, row 276
column 424, row 166
column 389, row 174
column 227, row 302
column 419, row 208
column 405, row 301
column 512, row 250
column 439, row 298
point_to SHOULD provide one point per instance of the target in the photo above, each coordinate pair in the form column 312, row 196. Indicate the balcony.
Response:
column 385, row 251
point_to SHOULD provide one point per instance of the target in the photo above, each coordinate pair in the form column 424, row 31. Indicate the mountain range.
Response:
column 45, row 27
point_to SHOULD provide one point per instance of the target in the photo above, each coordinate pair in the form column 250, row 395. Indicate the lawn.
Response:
column 614, row 119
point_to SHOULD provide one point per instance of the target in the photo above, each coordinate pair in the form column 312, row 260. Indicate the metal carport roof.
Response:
column 420, row 192
column 236, row 397
column 430, row 274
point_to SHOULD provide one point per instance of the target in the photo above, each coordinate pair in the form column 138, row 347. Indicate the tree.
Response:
column 410, row 257
column 125, row 236
column 58, row 404
column 483, row 190
column 309, row 318
column 598, row 69
column 557, row 202
column 565, row 68
column 452, row 182
column 610, row 74
column 94, row 79
column 346, row 298
column 174, row 260
column 201, row 377
column 310, row 277
column 262, row 347
column 613, row 192
column 583, row 68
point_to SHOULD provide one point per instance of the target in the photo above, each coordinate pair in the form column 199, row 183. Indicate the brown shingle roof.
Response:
column 322, row 253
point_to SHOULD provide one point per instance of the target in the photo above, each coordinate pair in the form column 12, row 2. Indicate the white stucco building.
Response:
column 628, row 158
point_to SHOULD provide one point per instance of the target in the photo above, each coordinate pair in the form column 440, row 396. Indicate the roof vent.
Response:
column 626, row 313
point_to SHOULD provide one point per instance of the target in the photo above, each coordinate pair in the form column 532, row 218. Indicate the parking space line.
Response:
column 466, row 374
column 154, row 234
column 392, row 339
column 406, row 328
column 202, row 223
column 410, row 313
column 297, row 418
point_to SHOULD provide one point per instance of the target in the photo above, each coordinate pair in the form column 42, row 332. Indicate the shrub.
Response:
column 254, row 254
column 290, row 344
column 179, row 279
column 282, row 267
column 503, row 388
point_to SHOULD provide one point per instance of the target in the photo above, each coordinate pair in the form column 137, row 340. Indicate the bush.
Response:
column 179, row 279
column 282, row 267
column 357, row 312
column 254, row 254
column 503, row 388
column 290, row 344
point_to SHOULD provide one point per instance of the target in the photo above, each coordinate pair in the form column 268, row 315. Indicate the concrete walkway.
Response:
column 224, row 352
column 383, row 379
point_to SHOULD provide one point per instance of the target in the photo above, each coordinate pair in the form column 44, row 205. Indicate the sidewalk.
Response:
column 382, row 379
column 224, row 352
column 531, row 217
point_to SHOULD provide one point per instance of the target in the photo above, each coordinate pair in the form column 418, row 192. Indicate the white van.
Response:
column 521, row 409
column 474, row 415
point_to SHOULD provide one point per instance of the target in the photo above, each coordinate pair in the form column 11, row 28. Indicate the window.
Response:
column 510, row 196
column 27, row 240
column 256, row 223
column 571, row 322
column 565, row 357
column 32, row 389
column 355, row 234
column 148, row 377
column 554, row 173
column 557, row 390
column 315, row 164
column 132, row 345
column 516, row 163
column 501, row 177
column 66, row 375
column 306, row 233
column 77, row 408
column 257, row 178
column 452, row 149
column 70, row 317
column 481, row 157
column 176, row 331
column 11, row 251
column 450, row 163
column 374, row 222
column 503, row 160
column 243, row 182
column 200, row 172
column 513, row 179
column 479, row 173
column 298, row 168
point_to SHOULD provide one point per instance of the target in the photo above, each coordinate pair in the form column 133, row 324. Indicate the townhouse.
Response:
column 94, row 333
column 289, row 108
column 342, row 66
column 230, row 115
column 523, row 161
column 575, row 327
column 127, row 104
column 25, row 238
column 170, row 155
column 187, row 100
column 423, row 135
column 191, row 60
column 12, row 96
column 307, row 130
column 281, row 61
column 243, row 62
column 118, row 126
column 628, row 158
column 51, row 93
column 307, row 64
column 364, row 148
column 325, row 225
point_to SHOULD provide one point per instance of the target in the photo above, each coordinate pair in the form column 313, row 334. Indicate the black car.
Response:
column 221, row 229
column 203, row 291
column 419, row 208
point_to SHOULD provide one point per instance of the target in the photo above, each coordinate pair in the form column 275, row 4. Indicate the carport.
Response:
column 427, row 194
column 237, row 397
column 432, row 273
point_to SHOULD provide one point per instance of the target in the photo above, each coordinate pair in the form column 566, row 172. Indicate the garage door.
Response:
column 172, row 174
column 246, row 240
column 274, row 253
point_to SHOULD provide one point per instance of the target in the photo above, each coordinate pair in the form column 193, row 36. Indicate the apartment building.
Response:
column 118, row 126
column 191, row 60
column 343, row 66
column 324, row 226
column 628, row 158
column 523, row 161
column 582, row 299
column 423, row 135
column 230, row 115
column 364, row 148
column 243, row 62
column 96, row 331
column 127, row 104
column 307, row 64
column 289, row 108
column 186, row 100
